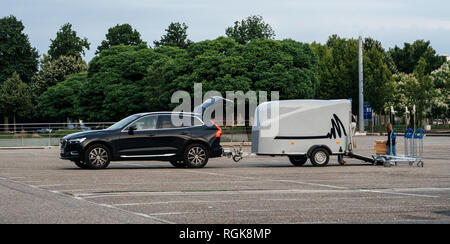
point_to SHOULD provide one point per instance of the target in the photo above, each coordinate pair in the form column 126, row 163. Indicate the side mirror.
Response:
column 131, row 129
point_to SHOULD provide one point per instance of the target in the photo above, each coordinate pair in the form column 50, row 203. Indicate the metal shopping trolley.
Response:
column 413, row 143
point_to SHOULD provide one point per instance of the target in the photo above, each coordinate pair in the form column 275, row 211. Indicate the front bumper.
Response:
column 70, row 151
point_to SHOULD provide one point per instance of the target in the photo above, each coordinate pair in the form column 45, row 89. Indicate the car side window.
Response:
column 165, row 122
column 146, row 123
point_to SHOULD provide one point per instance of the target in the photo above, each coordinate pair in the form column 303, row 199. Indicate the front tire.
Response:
column 320, row 157
column 196, row 156
column 178, row 163
column 298, row 160
column 81, row 165
column 97, row 156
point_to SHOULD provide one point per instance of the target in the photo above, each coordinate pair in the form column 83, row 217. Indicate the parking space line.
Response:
column 401, row 208
column 92, row 202
column 386, row 191
column 194, row 193
column 252, row 200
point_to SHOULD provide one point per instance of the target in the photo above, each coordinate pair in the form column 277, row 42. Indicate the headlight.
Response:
column 77, row 140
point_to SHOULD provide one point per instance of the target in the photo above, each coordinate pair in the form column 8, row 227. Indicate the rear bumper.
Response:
column 216, row 152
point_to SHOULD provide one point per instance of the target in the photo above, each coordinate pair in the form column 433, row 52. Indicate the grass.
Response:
column 440, row 127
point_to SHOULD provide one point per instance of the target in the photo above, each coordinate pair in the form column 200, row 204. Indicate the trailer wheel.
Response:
column 320, row 157
column 298, row 160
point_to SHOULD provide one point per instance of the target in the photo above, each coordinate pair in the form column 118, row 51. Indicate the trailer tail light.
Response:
column 219, row 130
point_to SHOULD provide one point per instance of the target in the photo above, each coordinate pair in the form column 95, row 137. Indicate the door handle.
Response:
column 183, row 133
column 151, row 134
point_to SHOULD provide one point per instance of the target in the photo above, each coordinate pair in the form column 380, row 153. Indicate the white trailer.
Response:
column 302, row 129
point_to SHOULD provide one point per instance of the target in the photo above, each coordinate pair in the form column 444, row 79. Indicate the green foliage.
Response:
column 338, row 63
column 54, row 71
column 67, row 43
column 338, row 71
column 115, row 86
column 251, row 28
column 176, row 36
column 407, row 58
column 441, row 102
column 15, row 97
column 414, row 89
column 120, row 34
column 224, row 65
column 377, row 77
column 16, row 53
column 61, row 101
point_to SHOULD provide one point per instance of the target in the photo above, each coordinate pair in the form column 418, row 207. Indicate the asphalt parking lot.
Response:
column 37, row 187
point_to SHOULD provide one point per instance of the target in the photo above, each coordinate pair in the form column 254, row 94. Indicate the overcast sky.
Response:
column 393, row 22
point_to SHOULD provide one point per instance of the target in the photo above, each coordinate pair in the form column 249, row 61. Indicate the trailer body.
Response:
column 297, row 127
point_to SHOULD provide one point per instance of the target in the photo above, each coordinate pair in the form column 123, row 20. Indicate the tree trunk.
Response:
column 6, row 122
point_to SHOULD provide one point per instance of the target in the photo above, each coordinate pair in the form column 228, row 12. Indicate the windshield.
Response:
column 123, row 122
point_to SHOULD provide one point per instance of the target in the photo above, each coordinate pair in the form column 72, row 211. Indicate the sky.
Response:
column 393, row 22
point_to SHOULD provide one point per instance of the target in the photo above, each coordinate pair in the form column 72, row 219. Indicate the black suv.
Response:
column 146, row 136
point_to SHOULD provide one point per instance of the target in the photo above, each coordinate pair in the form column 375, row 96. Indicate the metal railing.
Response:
column 42, row 134
column 49, row 134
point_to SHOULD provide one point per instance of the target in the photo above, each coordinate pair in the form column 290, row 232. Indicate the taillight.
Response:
column 219, row 130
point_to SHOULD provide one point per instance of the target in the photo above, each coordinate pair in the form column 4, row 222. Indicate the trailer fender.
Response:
column 311, row 149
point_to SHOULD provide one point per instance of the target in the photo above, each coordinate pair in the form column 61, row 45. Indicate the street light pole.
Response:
column 361, row 95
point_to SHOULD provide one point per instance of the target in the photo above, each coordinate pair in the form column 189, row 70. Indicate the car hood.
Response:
column 84, row 134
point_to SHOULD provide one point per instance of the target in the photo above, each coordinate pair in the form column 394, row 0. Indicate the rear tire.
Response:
column 298, row 160
column 97, row 156
column 81, row 164
column 320, row 157
column 196, row 156
column 178, row 163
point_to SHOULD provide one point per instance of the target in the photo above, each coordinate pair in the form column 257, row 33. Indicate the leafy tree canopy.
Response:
column 15, row 97
column 16, row 53
column 55, row 71
column 120, row 34
column 115, row 86
column 338, row 75
column 251, row 28
column 61, row 101
column 407, row 58
column 176, row 36
column 67, row 43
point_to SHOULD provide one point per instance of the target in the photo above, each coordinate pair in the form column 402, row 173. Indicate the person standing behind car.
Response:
column 388, row 142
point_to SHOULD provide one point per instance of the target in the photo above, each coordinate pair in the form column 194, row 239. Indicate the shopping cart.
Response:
column 413, row 142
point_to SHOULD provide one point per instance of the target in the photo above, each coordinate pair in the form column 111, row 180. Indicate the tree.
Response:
column 377, row 76
column 115, row 86
column 15, row 98
column 176, row 36
column 338, row 71
column 67, row 43
column 420, row 90
column 338, row 63
column 120, row 34
column 441, row 102
column 55, row 71
column 16, row 53
column 251, row 28
column 407, row 58
column 61, row 101
column 224, row 65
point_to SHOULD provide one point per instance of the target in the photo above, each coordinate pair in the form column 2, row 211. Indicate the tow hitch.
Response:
column 235, row 153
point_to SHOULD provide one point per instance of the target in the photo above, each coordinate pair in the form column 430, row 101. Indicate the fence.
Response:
column 49, row 134
column 42, row 134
